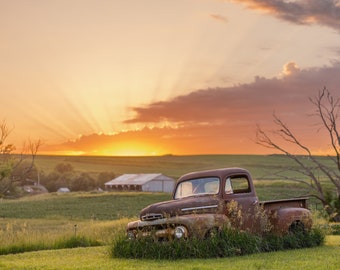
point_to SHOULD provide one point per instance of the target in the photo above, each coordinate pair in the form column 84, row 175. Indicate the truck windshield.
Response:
column 198, row 186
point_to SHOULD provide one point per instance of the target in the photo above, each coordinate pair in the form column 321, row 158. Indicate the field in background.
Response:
column 79, row 205
column 47, row 218
column 172, row 166
column 262, row 168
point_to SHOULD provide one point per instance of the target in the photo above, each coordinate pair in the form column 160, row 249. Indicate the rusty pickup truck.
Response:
column 207, row 201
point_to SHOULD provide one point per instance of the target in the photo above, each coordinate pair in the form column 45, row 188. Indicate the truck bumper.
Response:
column 176, row 227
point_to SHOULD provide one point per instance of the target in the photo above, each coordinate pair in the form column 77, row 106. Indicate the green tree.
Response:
column 104, row 177
column 83, row 182
column 64, row 175
column 50, row 181
column 61, row 176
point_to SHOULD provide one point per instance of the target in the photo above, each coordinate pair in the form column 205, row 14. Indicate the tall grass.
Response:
column 20, row 236
column 226, row 244
column 67, row 242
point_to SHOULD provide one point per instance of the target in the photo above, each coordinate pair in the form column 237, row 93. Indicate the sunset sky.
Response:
column 155, row 77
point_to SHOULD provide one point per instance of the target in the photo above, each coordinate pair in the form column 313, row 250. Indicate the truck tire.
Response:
column 213, row 232
column 297, row 227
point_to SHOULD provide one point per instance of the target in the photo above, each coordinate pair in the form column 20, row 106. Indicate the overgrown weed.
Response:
column 226, row 244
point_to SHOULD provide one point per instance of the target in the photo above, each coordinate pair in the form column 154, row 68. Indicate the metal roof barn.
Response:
column 151, row 182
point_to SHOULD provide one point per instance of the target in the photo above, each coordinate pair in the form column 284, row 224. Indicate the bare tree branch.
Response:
column 329, row 116
column 327, row 109
column 14, row 167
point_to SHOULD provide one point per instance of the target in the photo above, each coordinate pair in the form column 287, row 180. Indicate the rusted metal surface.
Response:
column 210, row 200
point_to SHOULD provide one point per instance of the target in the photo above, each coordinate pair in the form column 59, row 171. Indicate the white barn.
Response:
column 63, row 190
column 153, row 182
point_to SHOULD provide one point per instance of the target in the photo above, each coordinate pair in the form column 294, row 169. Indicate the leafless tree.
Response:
column 327, row 110
column 14, row 167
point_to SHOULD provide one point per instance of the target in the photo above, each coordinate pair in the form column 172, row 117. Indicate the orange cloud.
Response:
column 290, row 68
column 219, row 120
column 190, row 139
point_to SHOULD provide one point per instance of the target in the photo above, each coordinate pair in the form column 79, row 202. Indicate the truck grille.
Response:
column 151, row 216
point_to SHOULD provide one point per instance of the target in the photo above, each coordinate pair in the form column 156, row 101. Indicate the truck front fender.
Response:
column 196, row 225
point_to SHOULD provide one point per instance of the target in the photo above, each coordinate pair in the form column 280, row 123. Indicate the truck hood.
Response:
column 184, row 206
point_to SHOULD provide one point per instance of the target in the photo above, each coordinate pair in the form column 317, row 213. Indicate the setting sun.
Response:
column 130, row 148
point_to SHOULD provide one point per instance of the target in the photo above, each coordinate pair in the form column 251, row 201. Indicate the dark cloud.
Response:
column 219, row 18
column 245, row 102
column 322, row 12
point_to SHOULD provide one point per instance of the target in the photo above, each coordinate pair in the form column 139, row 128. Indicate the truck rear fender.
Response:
column 286, row 219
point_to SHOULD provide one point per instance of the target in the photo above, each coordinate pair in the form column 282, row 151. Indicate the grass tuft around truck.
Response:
column 216, row 213
column 227, row 243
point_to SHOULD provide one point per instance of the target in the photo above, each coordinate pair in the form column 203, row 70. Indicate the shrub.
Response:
column 76, row 241
column 66, row 242
column 227, row 243
column 335, row 228
column 292, row 241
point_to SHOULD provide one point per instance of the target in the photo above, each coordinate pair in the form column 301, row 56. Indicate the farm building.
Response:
column 34, row 189
column 154, row 182
column 63, row 190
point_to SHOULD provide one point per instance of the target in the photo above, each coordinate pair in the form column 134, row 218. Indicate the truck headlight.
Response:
column 131, row 235
column 180, row 232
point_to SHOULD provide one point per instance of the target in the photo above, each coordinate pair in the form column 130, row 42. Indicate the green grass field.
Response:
column 80, row 206
column 325, row 257
column 261, row 167
column 43, row 221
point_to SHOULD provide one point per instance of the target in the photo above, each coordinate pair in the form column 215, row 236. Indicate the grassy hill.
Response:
column 262, row 168
column 173, row 166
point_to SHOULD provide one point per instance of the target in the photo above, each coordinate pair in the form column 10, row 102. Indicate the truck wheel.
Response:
column 214, row 232
column 297, row 227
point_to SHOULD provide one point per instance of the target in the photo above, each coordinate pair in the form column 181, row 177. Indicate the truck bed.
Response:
column 277, row 204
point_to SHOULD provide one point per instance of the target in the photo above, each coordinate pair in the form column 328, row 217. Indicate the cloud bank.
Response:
column 308, row 12
column 251, row 102
column 223, row 120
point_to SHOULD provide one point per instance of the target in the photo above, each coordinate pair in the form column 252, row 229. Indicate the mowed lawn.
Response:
column 324, row 257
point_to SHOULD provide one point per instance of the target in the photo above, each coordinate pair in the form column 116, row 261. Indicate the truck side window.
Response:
column 240, row 184
column 237, row 184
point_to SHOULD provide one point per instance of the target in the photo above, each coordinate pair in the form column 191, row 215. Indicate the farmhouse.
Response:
column 153, row 182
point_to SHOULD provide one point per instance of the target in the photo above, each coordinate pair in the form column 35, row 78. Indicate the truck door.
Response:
column 240, row 202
